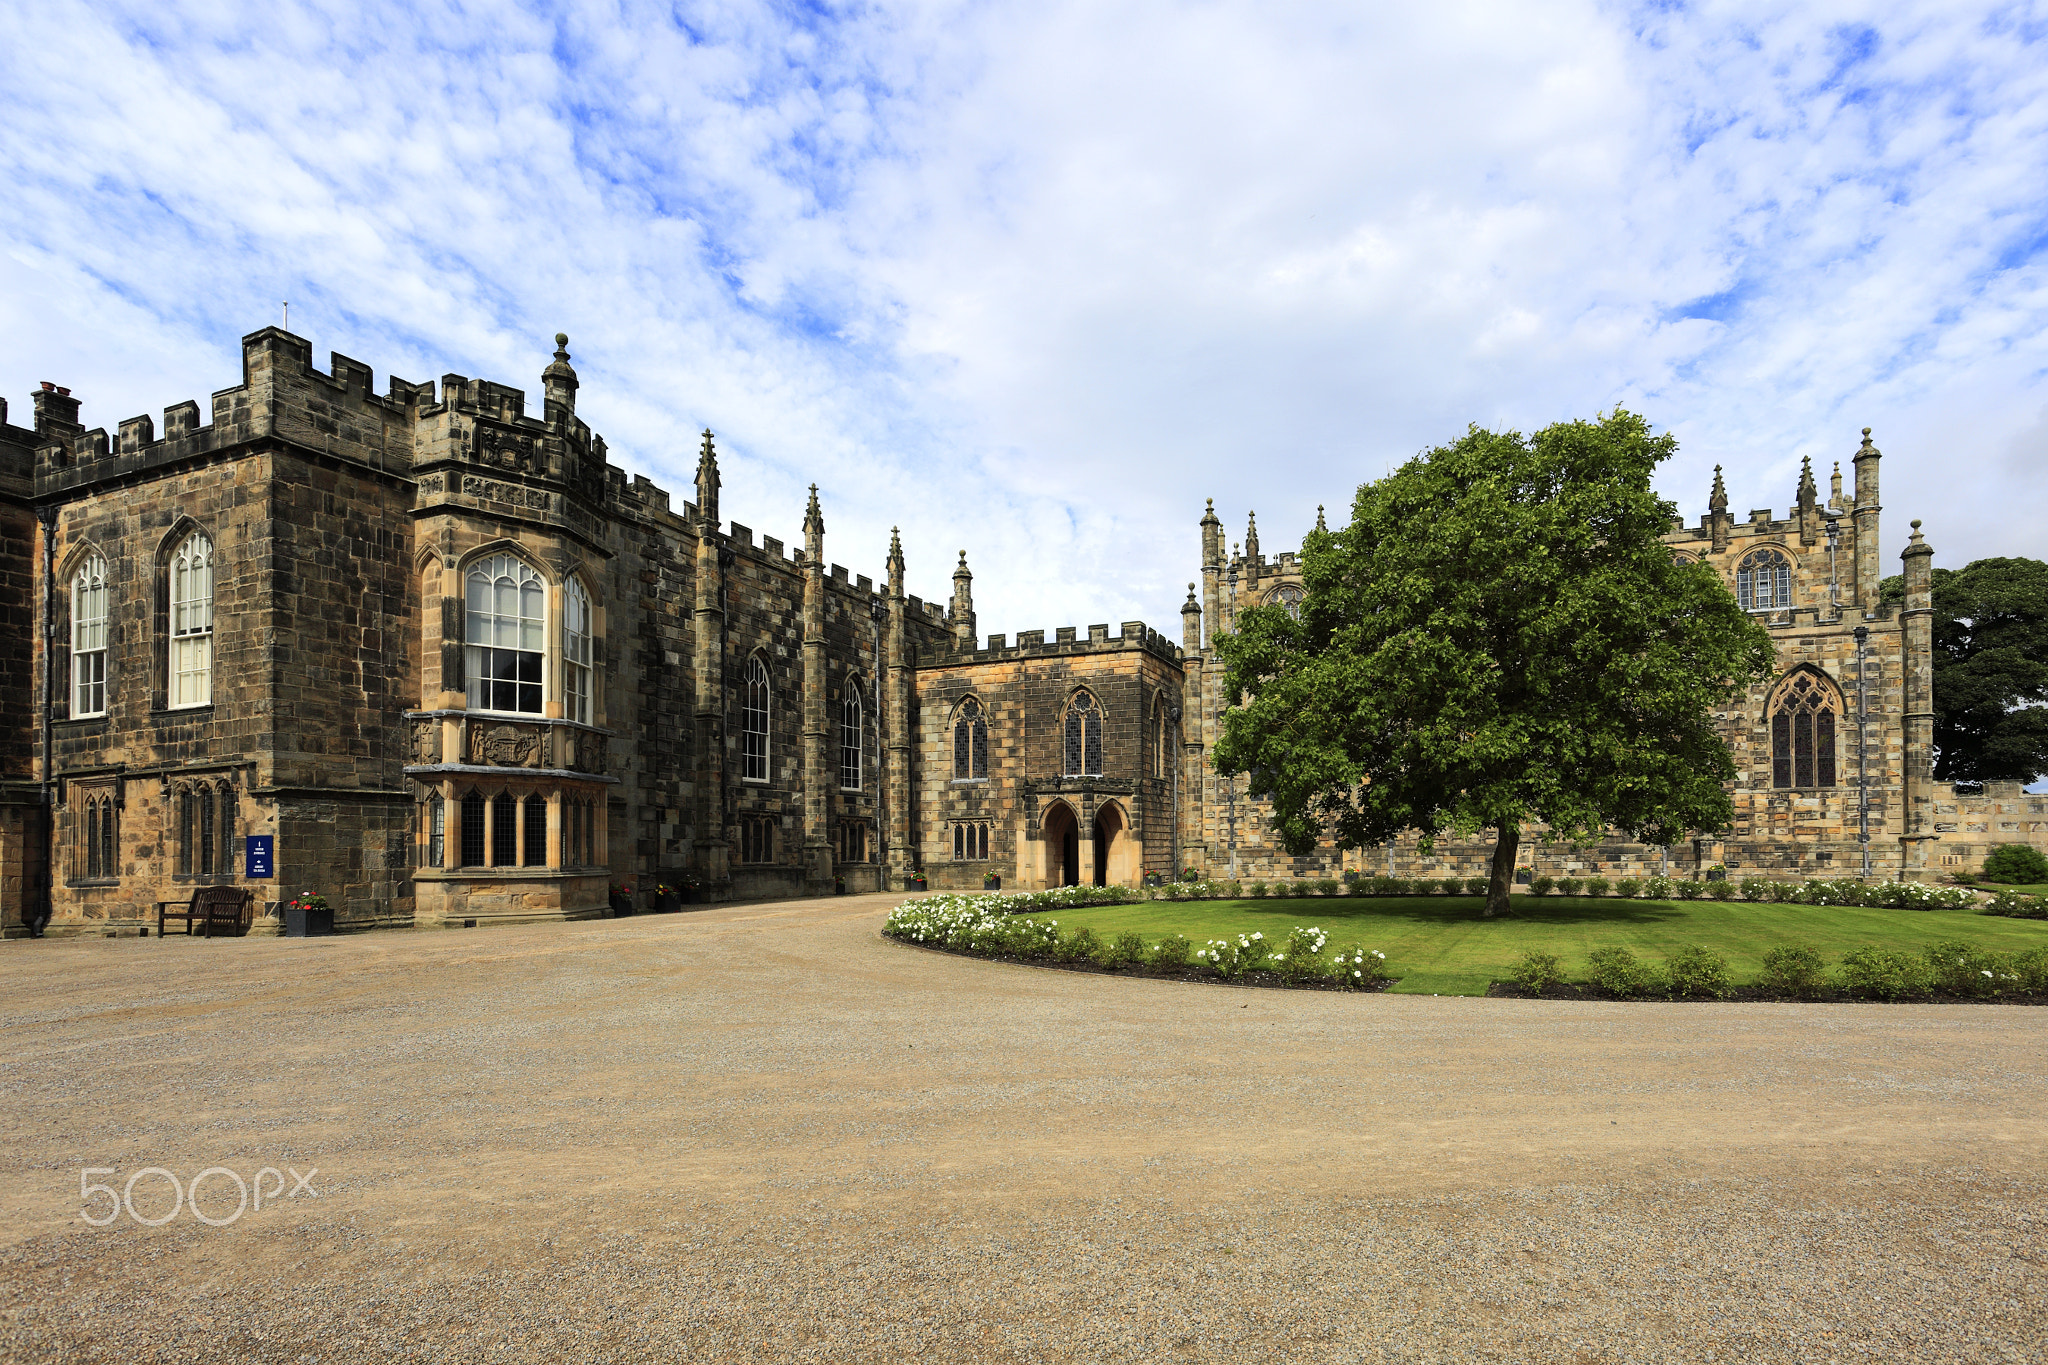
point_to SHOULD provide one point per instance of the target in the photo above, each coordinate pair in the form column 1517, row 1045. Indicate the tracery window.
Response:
column 99, row 862
column 1288, row 598
column 1803, row 731
column 970, row 841
column 850, row 734
column 853, row 841
column 1764, row 582
column 754, row 722
column 192, row 622
column 1083, row 737
column 970, row 743
column 505, row 625
column 576, row 673
column 89, row 639
column 757, row 838
column 205, row 831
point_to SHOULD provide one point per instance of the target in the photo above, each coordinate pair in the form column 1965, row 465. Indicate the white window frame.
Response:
column 755, row 707
column 489, row 632
column 191, row 658
column 89, row 638
column 577, row 676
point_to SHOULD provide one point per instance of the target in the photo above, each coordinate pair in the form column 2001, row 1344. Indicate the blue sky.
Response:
column 1037, row 279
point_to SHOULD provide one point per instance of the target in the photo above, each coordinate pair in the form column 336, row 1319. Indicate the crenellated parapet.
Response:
column 1067, row 641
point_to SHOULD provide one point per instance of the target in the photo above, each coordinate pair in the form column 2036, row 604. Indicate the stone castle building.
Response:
column 460, row 669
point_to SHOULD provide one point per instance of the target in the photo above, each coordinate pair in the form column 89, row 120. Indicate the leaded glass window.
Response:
column 505, row 625
column 89, row 639
column 192, row 622
column 850, row 731
column 970, row 742
column 1083, row 737
column 754, row 723
column 1803, row 732
column 1764, row 582
column 576, row 672
column 473, row 830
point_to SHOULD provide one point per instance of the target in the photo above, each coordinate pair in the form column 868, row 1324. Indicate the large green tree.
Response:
column 1499, row 637
column 1990, row 669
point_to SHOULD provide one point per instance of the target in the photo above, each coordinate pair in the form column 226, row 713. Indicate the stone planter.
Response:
column 991, row 883
column 308, row 923
column 668, row 902
column 622, row 905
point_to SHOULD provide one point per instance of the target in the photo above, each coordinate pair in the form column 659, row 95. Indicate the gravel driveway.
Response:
column 765, row 1133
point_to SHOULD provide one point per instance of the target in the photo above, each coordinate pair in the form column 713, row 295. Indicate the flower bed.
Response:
column 1005, row 928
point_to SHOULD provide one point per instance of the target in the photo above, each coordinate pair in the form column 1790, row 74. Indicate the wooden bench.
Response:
column 218, row 910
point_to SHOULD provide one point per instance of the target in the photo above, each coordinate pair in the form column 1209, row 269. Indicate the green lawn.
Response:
column 2038, row 889
column 1438, row 945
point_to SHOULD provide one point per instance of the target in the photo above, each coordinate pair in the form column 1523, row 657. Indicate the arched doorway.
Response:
column 1060, row 838
column 1109, row 828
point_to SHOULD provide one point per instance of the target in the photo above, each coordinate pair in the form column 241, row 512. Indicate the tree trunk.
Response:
column 1504, row 849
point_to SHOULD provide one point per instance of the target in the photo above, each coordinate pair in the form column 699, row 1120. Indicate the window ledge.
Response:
column 89, row 883
column 200, row 709
column 969, row 781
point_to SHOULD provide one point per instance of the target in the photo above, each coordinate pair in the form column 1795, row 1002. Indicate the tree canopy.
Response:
column 1990, row 669
column 1500, row 636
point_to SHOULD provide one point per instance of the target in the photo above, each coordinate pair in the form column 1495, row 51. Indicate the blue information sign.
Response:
column 258, row 859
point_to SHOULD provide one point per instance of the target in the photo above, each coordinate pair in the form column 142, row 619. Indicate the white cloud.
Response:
column 1035, row 280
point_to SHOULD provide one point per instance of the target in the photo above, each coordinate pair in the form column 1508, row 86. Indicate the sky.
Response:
column 1036, row 280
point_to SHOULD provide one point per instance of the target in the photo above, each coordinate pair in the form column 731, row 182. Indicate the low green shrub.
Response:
column 1691, row 889
column 1628, row 888
column 1542, row 885
column 1621, row 973
column 2015, row 905
column 1785, row 893
column 1755, row 889
column 1956, row 968
column 1125, row 950
column 1234, row 891
column 1657, row 888
column 1300, row 958
column 1695, row 973
column 1079, row 946
column 1723, row 890
column 1355, row 969
column 1570, row 886
column 1326, row 887
column 1598, row 886
column 1477, row 886
column 1230, row 958
column 1883, row 974
column 1172, row 952
column 1292, row 890
column 1256, row 891
column 2019, row 863
column 2031, row 967
column 1537, row 972
column 1452, row 886
column 1794, row 969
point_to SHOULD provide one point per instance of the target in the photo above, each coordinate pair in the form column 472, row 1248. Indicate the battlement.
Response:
column 1067, row 640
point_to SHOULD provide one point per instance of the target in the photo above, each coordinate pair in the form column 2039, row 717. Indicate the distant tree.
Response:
column 1990, row 669
column 1500, row 636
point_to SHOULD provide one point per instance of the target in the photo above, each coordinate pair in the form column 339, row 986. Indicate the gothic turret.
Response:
column 1251, row 552
column 1191, row 623
column 558, row 381
column 707, row 482
column 1719, row 525
column 1835, row 488
column 1865, row 519
column 963, row 606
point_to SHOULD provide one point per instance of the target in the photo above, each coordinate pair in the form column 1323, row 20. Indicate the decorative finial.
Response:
column 1916, row 523
column 1320, row 525
column 562, row 339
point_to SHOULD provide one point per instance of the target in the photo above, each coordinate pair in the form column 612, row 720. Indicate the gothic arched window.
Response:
column 192, row 622
column 1764, row 582
column 754, row 722
column 1803, row 731
column 970, row 742
column 89, row 639
column 576, row 652
column 472, row 829
column 1288, row 598
column 505, row 625
column 1083, row 737
column 536, row 849
column 850, row 735
column 99, row 837
column 437, row 832
column 504, row 830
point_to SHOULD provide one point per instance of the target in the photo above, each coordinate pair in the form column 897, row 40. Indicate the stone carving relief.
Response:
column 591, row 752
column 426, row 741
column 490, row 490
column 506, row 746
column 514, row 449
column 432, row 483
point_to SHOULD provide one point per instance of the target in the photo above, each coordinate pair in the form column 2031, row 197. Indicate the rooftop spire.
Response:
column 707, row 481
column 1320, row 526
column 1719, row 501
column 1251, row 536
column 1809, row 495
column 558, row 381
